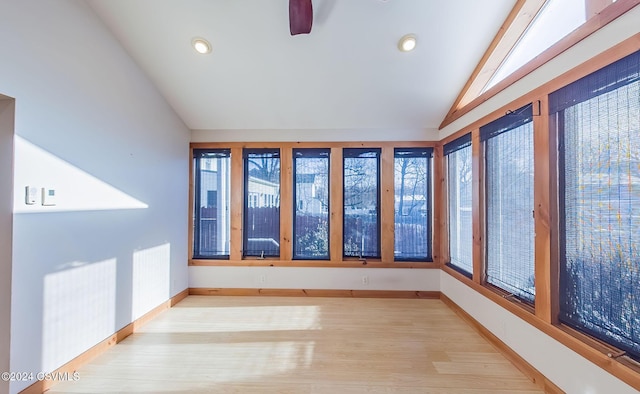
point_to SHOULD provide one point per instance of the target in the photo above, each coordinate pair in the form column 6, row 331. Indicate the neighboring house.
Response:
column 310, row 193
column 263, row 194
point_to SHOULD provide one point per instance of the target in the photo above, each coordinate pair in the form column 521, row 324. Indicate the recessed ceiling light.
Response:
column 201, row 45
column 407, row 43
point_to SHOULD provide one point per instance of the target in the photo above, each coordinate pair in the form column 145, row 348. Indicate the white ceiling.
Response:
column 347, row 74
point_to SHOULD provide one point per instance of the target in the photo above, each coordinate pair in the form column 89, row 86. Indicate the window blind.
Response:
column 509, row 168
column 598, row 121
column 311, row 198
column 511, row 121
column 361, row 224
column 261, row 202
column 459, row 194
column 211, row 229
column 457, row 144
column 412, row 184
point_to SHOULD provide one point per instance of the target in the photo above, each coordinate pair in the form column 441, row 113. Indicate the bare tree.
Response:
column 411, row 173
column 264, row 166
column 360, row 183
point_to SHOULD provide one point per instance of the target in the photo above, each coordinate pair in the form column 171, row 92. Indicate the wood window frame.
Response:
column 335, row 211
column 601, row 12
column 543, row 314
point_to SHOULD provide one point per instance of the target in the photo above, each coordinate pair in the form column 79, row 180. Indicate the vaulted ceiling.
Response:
column 347, row 74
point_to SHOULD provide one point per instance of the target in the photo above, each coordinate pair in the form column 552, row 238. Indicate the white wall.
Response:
column 7, row 110
column 91, row 125
column 315, row 278
column 315, row 135
column 564, row 367
column 567, row 369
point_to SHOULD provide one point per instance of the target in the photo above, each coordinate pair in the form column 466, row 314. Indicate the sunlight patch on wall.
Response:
column 75, row 189
column 151, row 279
column 79, row 310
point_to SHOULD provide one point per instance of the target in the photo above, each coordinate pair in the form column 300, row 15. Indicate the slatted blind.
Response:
column 361, row 222
column 262, row 202
column 211, row 228
column 311, row 197
column 412, row 184
column 459, row 172
column 508, row 143
column 598, row 122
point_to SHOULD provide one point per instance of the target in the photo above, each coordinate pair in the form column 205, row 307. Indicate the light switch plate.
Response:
column 30, row 195
column 48, row 196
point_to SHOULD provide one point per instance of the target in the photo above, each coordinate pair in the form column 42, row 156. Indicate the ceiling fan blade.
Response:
column 300, row 16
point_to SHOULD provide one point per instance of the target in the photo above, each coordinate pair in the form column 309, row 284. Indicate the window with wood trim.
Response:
column 412, row 206
column 459, row 198
column 509, row 167
column 361, row 188
column 311, row 203
column 211, row 226
column 555, row 20
column 598, row 124
column 536, row 31
column 329, row 210
column 261, row 236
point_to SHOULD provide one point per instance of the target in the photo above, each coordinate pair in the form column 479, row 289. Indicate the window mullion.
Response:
column 478, row 207
column 336, row 216
column 286, row 204
column 542, row 176
column 237, row 203
column 387, row 205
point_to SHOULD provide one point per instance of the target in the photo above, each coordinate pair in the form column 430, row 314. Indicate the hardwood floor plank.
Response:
column 302, row 345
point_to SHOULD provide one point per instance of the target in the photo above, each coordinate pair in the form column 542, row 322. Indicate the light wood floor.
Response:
column 302, row 345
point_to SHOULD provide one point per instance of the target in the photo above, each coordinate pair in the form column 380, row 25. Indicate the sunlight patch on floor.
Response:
column 242, row 319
